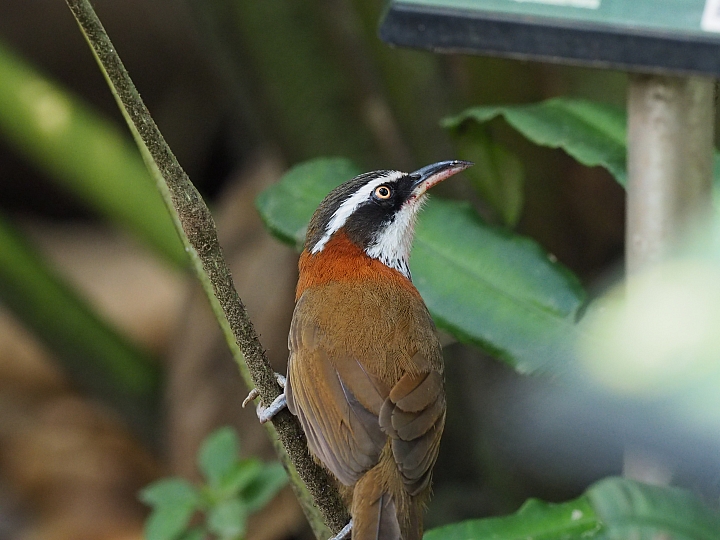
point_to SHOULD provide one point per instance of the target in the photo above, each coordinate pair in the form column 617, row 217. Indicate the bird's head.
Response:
column 377, row 212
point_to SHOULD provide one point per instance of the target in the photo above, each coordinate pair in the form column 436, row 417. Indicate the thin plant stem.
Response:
column 316, row 491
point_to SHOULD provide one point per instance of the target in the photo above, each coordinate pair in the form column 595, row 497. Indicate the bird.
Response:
column 365, row 368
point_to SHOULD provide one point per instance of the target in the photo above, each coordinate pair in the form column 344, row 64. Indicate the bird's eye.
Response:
column 383, row 192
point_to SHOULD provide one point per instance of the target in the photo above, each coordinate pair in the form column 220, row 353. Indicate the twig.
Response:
column 197, row 230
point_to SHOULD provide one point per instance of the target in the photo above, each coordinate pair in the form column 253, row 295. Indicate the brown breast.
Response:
column 368, row 311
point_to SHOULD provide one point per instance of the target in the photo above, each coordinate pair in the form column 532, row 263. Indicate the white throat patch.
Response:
column 346, row 209
column 392, row 244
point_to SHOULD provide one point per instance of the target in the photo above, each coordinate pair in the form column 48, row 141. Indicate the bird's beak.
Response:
column 427, row 177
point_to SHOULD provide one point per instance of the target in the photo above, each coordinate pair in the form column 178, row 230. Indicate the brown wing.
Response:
column 413, row 415
column 340, row 420
column 348, row 414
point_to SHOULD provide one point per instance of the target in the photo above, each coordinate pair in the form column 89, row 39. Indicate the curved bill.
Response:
column 433, row 174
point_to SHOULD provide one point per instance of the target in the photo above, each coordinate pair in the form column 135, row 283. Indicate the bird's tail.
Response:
column 381, row 514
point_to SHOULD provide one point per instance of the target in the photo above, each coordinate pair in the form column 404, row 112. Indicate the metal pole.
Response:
column 670, row 162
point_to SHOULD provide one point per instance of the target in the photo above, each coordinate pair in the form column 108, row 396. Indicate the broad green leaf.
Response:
column 536, row 519
column 593, row 133
column 484, row 285
column 228, row 519
column 497, row 175
column 271, row 479
column 492, row 288
column 84, row 152
column 612, row 509
column 630, row 509
column 174, row 501
column 218, row 455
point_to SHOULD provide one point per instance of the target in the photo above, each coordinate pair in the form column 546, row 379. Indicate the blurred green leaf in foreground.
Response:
column 234, row 488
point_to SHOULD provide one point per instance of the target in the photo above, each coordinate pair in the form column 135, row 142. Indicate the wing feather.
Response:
column 413, row 415
column 349, row 413
column 338, row 413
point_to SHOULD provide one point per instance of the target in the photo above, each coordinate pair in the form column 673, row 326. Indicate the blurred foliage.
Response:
column 301, row 90
column 95, row 355
column 91, row 158
column 654, row 340
column 233, row 490
column 84, row 152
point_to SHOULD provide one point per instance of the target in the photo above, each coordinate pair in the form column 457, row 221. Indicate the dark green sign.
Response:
column 645, row 35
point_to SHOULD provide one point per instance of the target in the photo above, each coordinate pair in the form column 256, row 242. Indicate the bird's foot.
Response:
column 254, row 392
column 266, row 413
column 344, row 533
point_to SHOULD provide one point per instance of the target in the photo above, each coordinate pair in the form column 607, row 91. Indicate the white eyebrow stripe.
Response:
column 349, row 205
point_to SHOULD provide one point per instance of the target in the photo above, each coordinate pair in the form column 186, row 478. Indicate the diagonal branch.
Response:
column 196, row 228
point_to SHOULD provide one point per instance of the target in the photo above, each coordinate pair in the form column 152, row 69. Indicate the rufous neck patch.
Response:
column 341, row 260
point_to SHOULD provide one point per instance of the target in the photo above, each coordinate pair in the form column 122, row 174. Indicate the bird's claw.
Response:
column 250, row 397
column 344, row 532
column 266, row 413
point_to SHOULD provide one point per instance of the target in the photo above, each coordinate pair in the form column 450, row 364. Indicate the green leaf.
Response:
column 536, row 519
column 228, row 519
column 84, row 152
column 168, row 492
column 218, row 455
column 612, row 509
column 241, row 476
column 271, row 479
column 196, row 533
column 166, row 523
column 630, row 509
column 495, row 289
column 486, row 286
column 174, row 502
column 593, row 133
column 497, row 175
